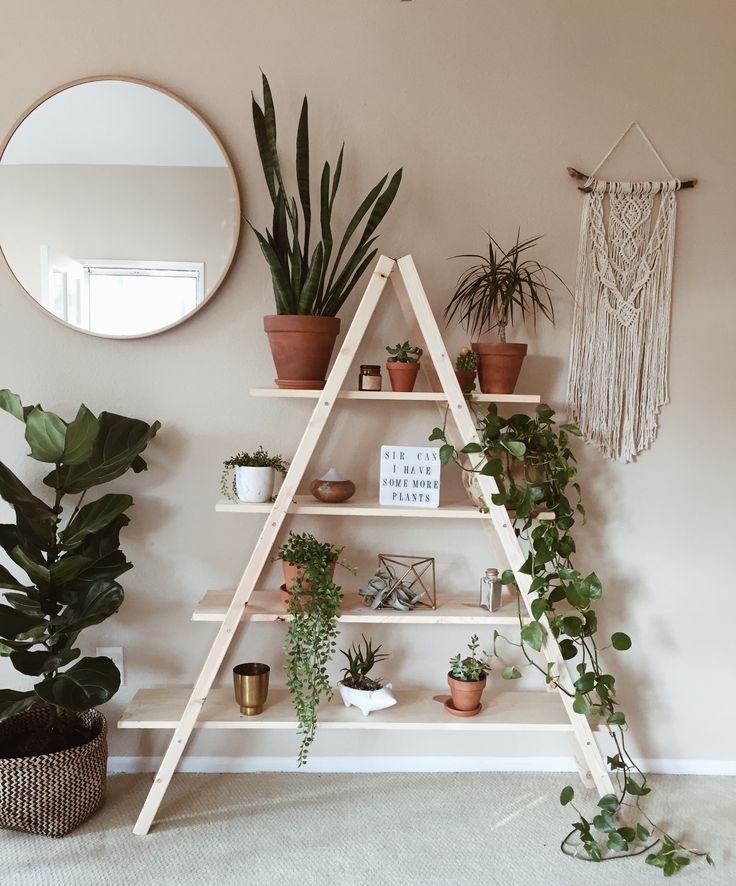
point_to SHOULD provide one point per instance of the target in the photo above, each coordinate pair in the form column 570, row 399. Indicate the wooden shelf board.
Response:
column 416, row 396
column 459, row 609
column 509, row 711
column 359, row 506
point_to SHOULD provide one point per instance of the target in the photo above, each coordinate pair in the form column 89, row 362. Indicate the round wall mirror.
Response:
column 119, row 208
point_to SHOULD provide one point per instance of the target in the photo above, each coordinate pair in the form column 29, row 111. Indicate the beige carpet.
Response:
column 317, row 830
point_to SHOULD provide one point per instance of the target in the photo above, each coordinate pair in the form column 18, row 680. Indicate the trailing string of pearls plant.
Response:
column 534, row 468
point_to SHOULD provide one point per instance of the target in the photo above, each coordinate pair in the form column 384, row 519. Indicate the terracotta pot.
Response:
column 301, row 347
column 291, row 573
column 465, row 378
column 499, row 365
column 466, row 693
column 403, row 376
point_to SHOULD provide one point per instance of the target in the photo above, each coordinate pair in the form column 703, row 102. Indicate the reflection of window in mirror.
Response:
column 120, row 297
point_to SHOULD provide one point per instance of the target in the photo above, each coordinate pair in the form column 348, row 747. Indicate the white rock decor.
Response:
column 367, row 700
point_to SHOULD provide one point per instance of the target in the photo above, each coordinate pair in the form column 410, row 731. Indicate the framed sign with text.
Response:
column 410, row 476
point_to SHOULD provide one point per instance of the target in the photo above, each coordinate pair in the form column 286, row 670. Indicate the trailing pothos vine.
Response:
column 310, row 643
column 534, row 467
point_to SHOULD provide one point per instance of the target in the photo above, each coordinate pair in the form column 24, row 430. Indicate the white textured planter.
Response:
column 365, row 700
column 254, row 484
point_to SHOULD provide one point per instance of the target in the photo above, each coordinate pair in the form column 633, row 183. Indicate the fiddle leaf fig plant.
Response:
column 533, row 463
column 66, row 559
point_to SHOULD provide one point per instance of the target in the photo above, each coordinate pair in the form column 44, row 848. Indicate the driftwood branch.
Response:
column 581, row 176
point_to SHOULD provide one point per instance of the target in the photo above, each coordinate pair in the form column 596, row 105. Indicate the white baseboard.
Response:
column 410, row 764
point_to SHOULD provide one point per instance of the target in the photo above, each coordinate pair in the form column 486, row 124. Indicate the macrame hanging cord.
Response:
column 620, row 340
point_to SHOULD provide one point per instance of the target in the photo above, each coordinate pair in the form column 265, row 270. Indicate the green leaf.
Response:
column 80, row 437
column 642, row 833
column 655, row 860
column 302, row 170
column 94, row 517
column 572, row 625
column 508, row 577
column 515, row 447
column 544, row 412
column 568, row 649
column 511, row 673
column 471, row 447
column 635, row 789
column 593, row 850
column 617, row 718
column 492, row 468
column 593, row 586
column 91, row 606
column 437, row 434
column 609, row 803
column 566, row 795
column 621, row 641
column 572, row 429
column 8, row 580
column 532, row 635
column 585, row 682
column 37, row 572
column 34, row 664
column 35, row 520
column 539, row 607
column 10, row 402
column 88, row 683
column 67, row 569
column 13, row 702
column 14, row 623
column 446, row 453
column 117, row 448
column 629, row 834
column 616, row 842
column 46, row 435
column 604, row 823
column 580, row 704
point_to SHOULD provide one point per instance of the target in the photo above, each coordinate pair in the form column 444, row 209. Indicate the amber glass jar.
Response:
column 369, row 378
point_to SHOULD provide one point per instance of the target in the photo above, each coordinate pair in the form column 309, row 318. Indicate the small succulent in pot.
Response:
column 250, row 477
column 467, row 678
column 356, row 687
column 466, row 365
column 403, row 366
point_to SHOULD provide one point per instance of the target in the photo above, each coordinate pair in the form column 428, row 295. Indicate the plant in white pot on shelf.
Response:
column 356, row 687
column 491, row 295
column 310, row 281
column 251, row 477
column 467, row 680
column 65, row 559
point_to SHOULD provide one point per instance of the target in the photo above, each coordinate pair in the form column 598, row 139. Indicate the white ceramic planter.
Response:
column 365, row 700
column 254, row 484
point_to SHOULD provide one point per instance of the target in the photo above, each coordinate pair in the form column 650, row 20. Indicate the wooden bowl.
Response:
column 332, row 491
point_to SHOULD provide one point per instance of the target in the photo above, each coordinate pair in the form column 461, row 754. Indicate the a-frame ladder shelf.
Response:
column 415, row 710
column 417, row 396
column 267, row 606
column 203, row 706
column 364, row 507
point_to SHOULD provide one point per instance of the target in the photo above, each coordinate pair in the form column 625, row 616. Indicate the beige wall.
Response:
column 485, row 104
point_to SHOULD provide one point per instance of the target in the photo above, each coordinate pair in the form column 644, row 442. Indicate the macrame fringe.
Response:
column 620, row 341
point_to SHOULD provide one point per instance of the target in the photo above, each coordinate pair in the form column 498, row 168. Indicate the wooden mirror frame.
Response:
column 233, row 178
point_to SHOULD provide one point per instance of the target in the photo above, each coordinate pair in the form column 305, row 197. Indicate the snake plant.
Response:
column 316, row 282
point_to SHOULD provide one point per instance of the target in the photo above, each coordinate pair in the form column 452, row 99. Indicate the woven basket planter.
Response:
column 52, row 794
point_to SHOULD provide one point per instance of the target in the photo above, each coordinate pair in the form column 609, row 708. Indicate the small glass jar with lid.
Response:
column 490, row 590
column 369, row 378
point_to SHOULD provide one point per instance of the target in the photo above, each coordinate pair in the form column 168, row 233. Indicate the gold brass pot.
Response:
column 251, row 687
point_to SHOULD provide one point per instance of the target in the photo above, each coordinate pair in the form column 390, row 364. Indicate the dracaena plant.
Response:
column 313, row 278
column 65, row 558
column 533, row 463
column 499, row 287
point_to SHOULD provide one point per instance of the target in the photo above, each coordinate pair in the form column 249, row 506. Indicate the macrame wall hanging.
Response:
column 620, row 339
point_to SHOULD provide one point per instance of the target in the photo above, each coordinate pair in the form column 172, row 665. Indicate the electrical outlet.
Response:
column 116, row 654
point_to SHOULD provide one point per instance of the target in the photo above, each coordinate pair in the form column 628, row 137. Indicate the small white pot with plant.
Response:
column 251, row 478
column 356, row 687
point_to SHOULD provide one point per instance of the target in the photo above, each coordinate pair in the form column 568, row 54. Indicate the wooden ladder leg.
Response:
column 263, row 546
column 413, row 301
